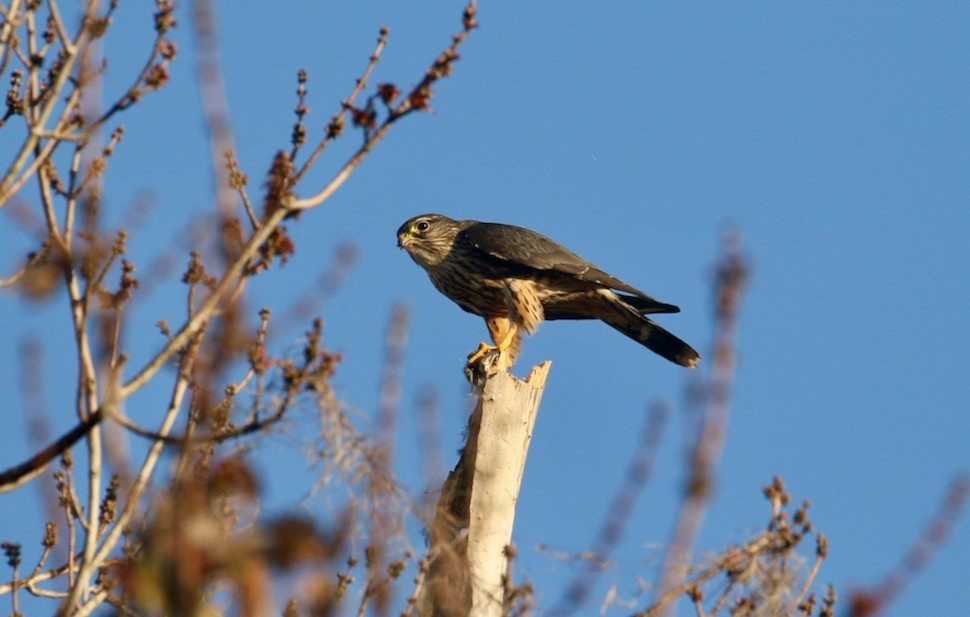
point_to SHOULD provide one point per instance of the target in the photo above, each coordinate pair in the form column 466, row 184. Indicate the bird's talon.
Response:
column 478, row 354
column 487, row 357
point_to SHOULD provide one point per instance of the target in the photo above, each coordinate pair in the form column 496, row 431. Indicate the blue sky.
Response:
column 834, row 135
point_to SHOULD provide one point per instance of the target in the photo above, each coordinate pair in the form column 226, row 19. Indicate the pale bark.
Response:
column 476, row 512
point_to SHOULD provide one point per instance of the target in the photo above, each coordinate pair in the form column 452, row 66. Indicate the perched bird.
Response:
column 516, row 278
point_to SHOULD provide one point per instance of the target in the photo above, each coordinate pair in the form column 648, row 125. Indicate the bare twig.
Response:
column 619, row 512
column 214, row 104
column 56, row 96
column 337, row 123
column 32, row 260
column 821, row 552
column 872, row 602
column 395, row 345
column 39, row 113
column 229, row 282
column 133, row 499
column 732, row 559
column 732, row 274
column 23, row 473
column 324, row 287
column 418, row 100
column 429, row 445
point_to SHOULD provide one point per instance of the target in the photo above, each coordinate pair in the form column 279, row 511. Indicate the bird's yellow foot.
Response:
column 478, row 354
column 484, row 349
column 502, row 347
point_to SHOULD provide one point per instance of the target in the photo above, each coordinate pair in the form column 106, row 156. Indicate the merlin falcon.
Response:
column 516, row 278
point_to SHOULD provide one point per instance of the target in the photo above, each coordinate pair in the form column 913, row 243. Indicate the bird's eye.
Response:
column 422, row 226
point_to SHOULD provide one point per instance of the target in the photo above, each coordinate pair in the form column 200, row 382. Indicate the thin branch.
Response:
column 23, row 473
column 70, row 207
column 731, row 276
column 730, row 561
column 50, row 216
column 871, row 602
column 821, row 552
column 62, row 34
column 226, row 285
column 238, row 181
column 133, row 499
column 233, row 275
column 429, row 446
column 32, row 260
column 698, row 599
column 16, row 176
column 417, row 100
column 37, row 578
column 88, row 607
column 11, row 21
column 336, row 124
column 70, row 56
column 323, row 288
column 619, row 512
column 395, row 344
column 214, row 104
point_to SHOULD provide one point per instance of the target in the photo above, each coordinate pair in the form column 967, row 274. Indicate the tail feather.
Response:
column 646, row 306
column 628, row 319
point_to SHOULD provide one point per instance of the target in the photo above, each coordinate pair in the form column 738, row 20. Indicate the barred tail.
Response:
column 630, row 322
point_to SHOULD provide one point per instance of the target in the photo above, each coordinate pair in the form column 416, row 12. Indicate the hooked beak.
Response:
column 404, row 241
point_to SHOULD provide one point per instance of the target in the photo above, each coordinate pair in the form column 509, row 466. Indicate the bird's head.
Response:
column 427, row 238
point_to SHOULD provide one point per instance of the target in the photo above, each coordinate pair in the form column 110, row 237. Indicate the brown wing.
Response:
column 524, row 247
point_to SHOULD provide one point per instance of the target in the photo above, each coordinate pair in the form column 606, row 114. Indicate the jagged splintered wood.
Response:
column 476, row 512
